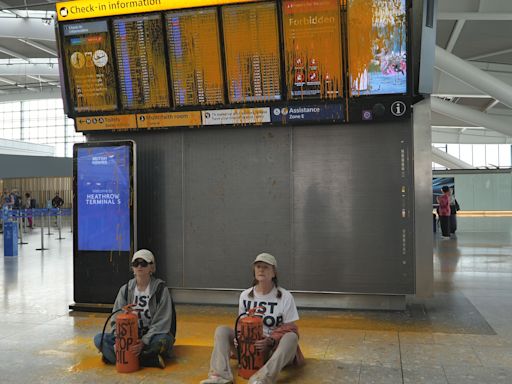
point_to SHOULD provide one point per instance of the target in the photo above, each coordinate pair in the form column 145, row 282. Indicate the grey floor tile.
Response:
column 478, row 375
column 500, row 357
column 380, row 375
column 424, row 375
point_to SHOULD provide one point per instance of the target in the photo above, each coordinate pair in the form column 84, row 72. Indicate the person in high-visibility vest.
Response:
column 280, row 342
column 157, row 319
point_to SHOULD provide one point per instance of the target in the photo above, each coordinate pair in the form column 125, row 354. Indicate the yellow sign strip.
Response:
column 484, row 213
column 83, row 9
column 108, row 122
column 169, row 119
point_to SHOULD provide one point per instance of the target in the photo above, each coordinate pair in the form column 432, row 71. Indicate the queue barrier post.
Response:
column 21, row 228
column 59, row 223
column 42, row 231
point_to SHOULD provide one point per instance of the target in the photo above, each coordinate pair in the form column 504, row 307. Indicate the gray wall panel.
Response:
column 237, row 203
column 19, row 166
column 347, row 209
column 326, row 200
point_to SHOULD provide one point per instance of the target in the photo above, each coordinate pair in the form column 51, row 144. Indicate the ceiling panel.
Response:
column 443, row 32
column 482, row 37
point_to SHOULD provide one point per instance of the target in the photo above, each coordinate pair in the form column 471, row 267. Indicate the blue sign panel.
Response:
column 307, row 113
column 103, row 194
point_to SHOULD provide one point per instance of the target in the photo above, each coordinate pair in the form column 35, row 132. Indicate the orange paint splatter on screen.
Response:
column 376, row 40
column 194, row 53
column 312, row 39
column 252, row 52
column 360, row 39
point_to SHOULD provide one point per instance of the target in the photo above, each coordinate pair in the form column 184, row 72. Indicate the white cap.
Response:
column 266, row 258
column 144, row 254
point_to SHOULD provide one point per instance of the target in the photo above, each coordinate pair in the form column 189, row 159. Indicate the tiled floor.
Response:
column 463, row 335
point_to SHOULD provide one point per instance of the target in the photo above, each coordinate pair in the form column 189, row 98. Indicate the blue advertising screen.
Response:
column 103, row 198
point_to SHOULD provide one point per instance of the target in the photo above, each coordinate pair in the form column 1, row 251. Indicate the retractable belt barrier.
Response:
column 20, row 215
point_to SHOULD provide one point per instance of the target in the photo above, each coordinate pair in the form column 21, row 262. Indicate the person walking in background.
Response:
column 28, row 205
column 454, row 207
column 57, row 201
column 444, row 211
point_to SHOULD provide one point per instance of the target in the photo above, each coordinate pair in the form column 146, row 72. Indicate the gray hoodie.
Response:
column 161, row 315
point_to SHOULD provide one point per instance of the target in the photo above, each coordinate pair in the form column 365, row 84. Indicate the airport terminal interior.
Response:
column 323, row 132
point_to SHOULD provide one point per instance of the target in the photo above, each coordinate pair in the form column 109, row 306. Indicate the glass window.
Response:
column 39, row 121
column 492, row 155
column 479, row 155
column 505, row 155
column 466, row 153
column 453, row 149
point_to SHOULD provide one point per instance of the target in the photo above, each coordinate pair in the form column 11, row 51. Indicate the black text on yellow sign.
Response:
column 83, row 9
column 99, row 123
column 169, row 119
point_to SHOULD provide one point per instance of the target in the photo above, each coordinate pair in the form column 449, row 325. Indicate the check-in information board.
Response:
column 195, row 60
column 90, row 66
column 139, row 46
column 217, row 62
column 252, row 52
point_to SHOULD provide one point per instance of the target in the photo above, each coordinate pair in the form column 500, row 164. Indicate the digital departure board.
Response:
column 194, row 53
column 252, row 52
column 233, row 62
column 89, row 64
column 141, row 64
column 312, row 43
column 377, row 47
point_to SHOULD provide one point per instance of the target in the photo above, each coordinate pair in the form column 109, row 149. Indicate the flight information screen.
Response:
column 194, row 53
column 141, row 64
column 103, row 198
column 377, row 55
column 252, row 52
column 312, row 44
column 89, row 64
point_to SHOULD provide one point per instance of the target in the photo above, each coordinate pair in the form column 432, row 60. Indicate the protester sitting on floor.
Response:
column 157, row 319
column 279, row 313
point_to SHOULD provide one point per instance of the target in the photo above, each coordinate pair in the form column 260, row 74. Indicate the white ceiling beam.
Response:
column 490, row 54
column 39, row 46
column 470, row 136
column 16, row 28
column 471, row 116
column 7, row 81
column 448, row 161
column 14, row 54
column 482, row 16
column 455, row 34
column 491, row 105
column 23, row 94
column 475, row 77
column 42, row 80
column 29, row 69
column 18, row 13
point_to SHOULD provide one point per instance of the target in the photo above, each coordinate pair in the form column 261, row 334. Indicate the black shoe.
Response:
column 104, row 359
column 152, row 361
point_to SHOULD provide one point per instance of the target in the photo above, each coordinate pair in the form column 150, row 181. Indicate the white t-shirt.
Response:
column 276, row 311
column 141, row 301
